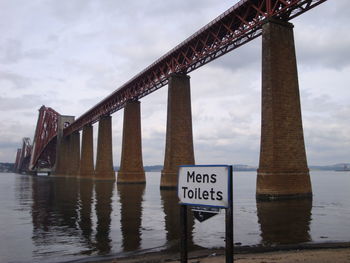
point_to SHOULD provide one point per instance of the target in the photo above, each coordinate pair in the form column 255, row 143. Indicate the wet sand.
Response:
column 341, row 255
column 315, row 253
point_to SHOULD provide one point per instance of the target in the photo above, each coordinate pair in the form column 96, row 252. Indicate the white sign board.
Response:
column 204, row 185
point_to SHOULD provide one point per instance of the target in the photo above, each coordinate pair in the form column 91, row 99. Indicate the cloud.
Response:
column 326, row 50
column 13, row 81
column 326, row 128
column 321, row 43
column 11, row 134
column 69, row 11
column 25, row 102
column 81, row 51
column 13, row 52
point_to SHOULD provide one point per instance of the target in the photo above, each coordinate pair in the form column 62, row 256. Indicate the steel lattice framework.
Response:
column 235, row 27
column 18, row 159
column 45, row 133
column 23, row 156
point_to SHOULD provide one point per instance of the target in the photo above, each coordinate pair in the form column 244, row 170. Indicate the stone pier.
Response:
column 179, row 139
column 62, row 163
column 87, row 152
column 283, row 170
column 74, row 154
column 104, row 159
column 131, row 165
column 61, row 167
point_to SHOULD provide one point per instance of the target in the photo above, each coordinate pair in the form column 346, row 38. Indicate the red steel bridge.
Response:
column 232, row 29
column 238, row 25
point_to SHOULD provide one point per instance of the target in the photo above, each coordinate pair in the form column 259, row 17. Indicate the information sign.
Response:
column 206, row 188
column 204, row 185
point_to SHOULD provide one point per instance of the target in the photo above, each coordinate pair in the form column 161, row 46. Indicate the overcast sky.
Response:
column 70, row 54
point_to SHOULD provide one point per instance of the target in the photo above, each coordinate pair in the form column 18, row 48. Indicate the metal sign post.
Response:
column 184, row 234
column 229, row 222
column 209, row 187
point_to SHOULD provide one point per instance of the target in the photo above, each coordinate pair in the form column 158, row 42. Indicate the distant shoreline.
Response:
column 9, row 168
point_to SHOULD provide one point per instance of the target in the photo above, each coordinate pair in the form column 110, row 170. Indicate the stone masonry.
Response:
column 283, row 170
column 87, row 152
column 104, row 159
column 179, row 139
column 74, row 154
column 62, row 151
column 62, row 164
column 131, row 165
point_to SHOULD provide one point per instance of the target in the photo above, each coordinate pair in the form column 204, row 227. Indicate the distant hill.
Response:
column 250, row 168
column 158, row 168
column 149, row 168
column 153, row 168
column 334, row 167
column 243, row 167
column 7, row 167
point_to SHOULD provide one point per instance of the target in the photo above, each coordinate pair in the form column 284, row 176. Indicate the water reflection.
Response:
column 86, row 199
column 104, row 192
column 54, row 210
column 23, row 191
column 284, row 222
column 62, row 213
column 66, row 201
column 131, row 214
column 55, row 219
column 42, row 192
column 171, row 209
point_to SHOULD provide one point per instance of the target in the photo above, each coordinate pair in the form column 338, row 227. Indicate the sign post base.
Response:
column 206, row 189
column 184, row 234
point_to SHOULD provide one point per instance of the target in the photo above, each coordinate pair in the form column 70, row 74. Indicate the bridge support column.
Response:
column 283, row 170
column 131, row 166
column 179, row 139
column 62, row 151
column 104, row 158
column 62, row 164
column 87, row 152
column 74, row 154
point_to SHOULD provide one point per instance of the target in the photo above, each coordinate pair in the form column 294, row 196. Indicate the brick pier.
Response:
column 104, row 159
column 131, row 165
column 179, row 139
column 63, row 147
column 74, row 154
column 87, row 152
column 283, row 170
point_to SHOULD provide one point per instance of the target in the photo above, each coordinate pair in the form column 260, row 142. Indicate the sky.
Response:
column 69, row 55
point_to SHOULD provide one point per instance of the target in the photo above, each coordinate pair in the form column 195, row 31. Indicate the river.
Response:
column 55, row 219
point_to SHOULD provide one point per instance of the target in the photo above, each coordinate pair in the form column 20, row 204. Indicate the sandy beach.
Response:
column 308, row 256
column 320, row 253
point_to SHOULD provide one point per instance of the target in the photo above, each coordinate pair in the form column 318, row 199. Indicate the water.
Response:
column 48, row 219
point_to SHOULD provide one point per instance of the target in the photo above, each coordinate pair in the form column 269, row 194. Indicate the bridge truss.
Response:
column 45, row 139
column 23, row 156
column 235, row 27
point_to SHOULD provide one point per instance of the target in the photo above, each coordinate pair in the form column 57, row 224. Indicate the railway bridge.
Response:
column 283, row 171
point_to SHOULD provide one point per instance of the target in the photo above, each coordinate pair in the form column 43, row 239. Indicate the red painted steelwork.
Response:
column 23, row 156
column 46, row 131
column 18, row 159
column 235, row 27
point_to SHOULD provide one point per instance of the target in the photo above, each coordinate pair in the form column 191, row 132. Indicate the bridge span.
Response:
column 283, row 170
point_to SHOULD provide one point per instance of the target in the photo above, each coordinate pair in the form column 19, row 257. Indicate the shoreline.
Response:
column 307, row 252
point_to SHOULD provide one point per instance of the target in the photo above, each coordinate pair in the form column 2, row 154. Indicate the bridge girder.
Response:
column 232, row 29
column 23, row 156
column 44, row 138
